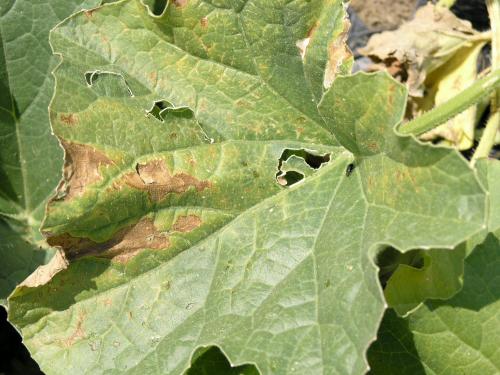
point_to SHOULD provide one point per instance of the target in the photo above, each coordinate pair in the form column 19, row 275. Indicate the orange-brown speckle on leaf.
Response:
column 399, row 176
column 373, row 146
column 124, row 245
column 81, row 168
column 155, row 178
column 186, row 223
column 390, row 97
column 153, row 77
column 89, row 13
column 180, row 3
column 70, row 119
column 204, row 22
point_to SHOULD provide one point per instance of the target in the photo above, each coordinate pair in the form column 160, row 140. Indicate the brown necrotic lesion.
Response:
column 125, row 244
column 155, row 178
column 81, row 168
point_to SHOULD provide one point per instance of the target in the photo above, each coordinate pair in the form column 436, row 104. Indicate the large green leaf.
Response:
column 30, row 158
column 181, row 235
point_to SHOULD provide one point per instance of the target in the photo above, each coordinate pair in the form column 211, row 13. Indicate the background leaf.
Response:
column 30, row 157
column 456, row 336
column 440, row 277
column 212, row 361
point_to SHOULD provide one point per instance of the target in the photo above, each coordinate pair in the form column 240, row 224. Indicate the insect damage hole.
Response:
column 295, row 165
column 212, row 360
column 162, row 108
column 108, row 84
column 388, row 259
column 157, row 7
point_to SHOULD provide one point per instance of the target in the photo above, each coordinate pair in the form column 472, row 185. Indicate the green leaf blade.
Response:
column 188, row 241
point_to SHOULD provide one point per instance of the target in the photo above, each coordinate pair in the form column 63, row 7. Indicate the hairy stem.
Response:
column 439, row 115
column 492, row 126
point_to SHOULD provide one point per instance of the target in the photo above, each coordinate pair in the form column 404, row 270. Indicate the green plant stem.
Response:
column 493, row 125
column 439, row 115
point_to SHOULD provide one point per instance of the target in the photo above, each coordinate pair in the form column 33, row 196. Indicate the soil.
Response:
column 384, row 14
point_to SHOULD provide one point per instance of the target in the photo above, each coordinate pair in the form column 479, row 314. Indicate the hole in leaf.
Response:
column 389, row 259
column 108, row 84
column 313, row 160
column 290, row 178
column 157, row 108
column 88, row 77
column 295, row 165
column 158, row 6
column 162, row 108
column 211, row 360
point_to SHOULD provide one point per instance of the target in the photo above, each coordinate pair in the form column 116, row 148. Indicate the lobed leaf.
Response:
column 180, row 232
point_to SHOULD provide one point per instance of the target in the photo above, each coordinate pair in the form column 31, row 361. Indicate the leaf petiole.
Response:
column 439, row 115
column 493, row 125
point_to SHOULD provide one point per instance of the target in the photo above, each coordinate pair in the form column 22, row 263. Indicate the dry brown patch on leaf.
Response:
column 70, row 119
column 303, row 43
column 43, row 274
column 338, row 53
column 155, row 178
column 186, row 223
column 180, row 3
column 78, row 334
column 89, row 13
column 81, row 168
column 125, row 244
column 419, row 46
column 153, row 77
